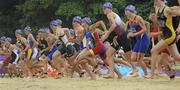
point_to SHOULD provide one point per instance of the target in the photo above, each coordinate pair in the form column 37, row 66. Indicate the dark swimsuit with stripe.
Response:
column 165, row 23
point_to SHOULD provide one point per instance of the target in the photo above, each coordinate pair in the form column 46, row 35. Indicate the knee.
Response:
column 177, row 57
column 154, row 50
column 133, row 58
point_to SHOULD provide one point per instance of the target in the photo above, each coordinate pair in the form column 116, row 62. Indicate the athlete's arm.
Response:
column 178, row 37
column 23, row 40
column 148, row 27
column 112, row 27
column 66, row 31
column 178, row 29
column 126, row 26
column 35, row 43
column 141, row 22
column 97, row 24
column 112, row 22
column 99, row 31
column 173, row 11
column 79, row 37
column 156, row 33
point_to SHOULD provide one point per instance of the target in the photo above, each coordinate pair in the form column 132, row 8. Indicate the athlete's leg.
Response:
column 174, row 52
column 155, row 51
column 29, row 53
column 141, row 62
column 35, row 53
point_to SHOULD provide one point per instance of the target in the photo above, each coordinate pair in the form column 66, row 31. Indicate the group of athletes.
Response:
column 91, row 48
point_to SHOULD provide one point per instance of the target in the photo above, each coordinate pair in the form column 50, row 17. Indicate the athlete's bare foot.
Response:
column 108, row 76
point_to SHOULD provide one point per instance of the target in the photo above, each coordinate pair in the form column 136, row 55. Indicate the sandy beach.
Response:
column 160, row 83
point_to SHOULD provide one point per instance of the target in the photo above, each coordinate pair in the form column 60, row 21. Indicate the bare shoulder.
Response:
column 139, row 19
column 111, row 15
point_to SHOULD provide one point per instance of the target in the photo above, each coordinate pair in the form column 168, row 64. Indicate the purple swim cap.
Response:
column 53, row 23
column 19, row 31
column 87, row 20
column 77, row 19
column 27, row 29
column 130, row 8
column 72, row 31
column 46, row 30
column 8, row 39
column 41, row 30
column 3, row 38
column 107, row 5
column 59, row 22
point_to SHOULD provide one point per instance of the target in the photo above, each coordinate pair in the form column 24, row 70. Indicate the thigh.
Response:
column 56, row 54
column 174, row 51
column 140, row 56
column 159, row 46
column 134, row 56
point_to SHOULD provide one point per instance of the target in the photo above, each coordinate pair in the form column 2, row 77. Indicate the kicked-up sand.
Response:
column 66, row 83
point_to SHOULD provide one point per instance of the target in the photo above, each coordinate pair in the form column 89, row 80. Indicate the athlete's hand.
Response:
column 115, row 41
column 178, row 37
column 130, row 34
column 178, row 29
column 152, row 34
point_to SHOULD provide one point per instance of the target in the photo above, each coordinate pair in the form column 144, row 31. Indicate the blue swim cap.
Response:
column 77, row 19
column 27, row 29
column 130, row 8
column 72, row 31
column 53, row 23
column 3, row 38
column 19, row 31
column 46, row 29
column 8, row 39
column 107, row 5
column 87, row 20
column 59, row 22
column 41, row 30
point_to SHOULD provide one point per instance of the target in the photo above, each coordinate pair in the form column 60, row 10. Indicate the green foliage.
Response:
column 38, row 13
column 69, row 9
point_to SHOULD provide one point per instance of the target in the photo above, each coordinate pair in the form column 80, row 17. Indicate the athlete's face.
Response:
column 53, row 28
column 1, row 41
column 84, row 25
column 17, row 35
column 159, row 3
column 105, row 10
column 75, row 24
column 152, row 17
column 7, row 44
column 127, row 13
column 26, row 32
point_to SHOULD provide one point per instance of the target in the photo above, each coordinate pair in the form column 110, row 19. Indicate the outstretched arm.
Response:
column 98, row 24
column 173, row 11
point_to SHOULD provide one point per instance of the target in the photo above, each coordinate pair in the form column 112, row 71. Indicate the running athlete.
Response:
column 116, row 34
column 79, row 36
column 22, row 44
column 64, row 46
column 79, row 32
column 33, row 51
column 14, row 51
column 164, row 16
column 139, row 31
column 53, row 57
column 164, row 54
column 97, row 49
